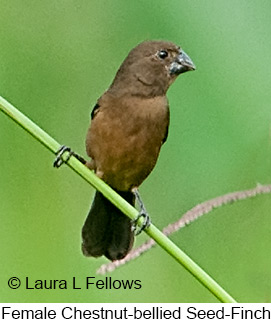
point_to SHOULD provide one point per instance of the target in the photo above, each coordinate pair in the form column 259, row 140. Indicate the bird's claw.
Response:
column 145, row 224
column 59, row 160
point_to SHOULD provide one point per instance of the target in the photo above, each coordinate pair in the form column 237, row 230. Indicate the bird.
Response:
column 129, row 124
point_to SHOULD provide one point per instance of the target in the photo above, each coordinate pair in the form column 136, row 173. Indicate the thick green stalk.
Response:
column 117, row 200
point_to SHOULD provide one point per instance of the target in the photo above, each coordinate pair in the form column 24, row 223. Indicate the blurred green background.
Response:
column 56, row 59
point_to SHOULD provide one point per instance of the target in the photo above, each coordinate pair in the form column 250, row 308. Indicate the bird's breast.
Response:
column 124, row 140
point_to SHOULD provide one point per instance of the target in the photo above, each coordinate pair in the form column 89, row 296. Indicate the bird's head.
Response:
column 150, row 68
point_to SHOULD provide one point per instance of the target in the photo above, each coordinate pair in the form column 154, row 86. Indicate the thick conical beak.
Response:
column 182, row 63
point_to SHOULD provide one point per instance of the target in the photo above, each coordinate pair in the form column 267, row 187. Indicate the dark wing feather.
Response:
column 167, row 128
column 94, row 111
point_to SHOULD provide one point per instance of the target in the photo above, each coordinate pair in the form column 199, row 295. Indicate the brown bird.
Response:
column 129, row 124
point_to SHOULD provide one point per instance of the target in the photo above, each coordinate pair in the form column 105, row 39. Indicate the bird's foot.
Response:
column 62, row 158
column 146, row 223
column 142, row 213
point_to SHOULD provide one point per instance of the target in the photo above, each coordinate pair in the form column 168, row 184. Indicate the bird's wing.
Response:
column 94, row 111
column 166, row 132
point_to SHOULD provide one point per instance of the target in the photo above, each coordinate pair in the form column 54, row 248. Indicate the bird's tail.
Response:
column 107, row 231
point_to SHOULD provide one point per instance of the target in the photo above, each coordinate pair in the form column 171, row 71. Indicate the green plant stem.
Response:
column 117, row 200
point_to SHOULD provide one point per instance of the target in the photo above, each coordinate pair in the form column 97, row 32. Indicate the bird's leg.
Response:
column 59, row 160
column 142, row 213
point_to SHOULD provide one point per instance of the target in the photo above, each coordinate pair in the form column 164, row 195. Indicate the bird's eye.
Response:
column 163, row 54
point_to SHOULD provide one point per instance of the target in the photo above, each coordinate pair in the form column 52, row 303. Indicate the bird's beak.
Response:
column 181, row 64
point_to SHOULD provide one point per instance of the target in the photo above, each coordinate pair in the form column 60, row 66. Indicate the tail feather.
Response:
column 107, row 231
